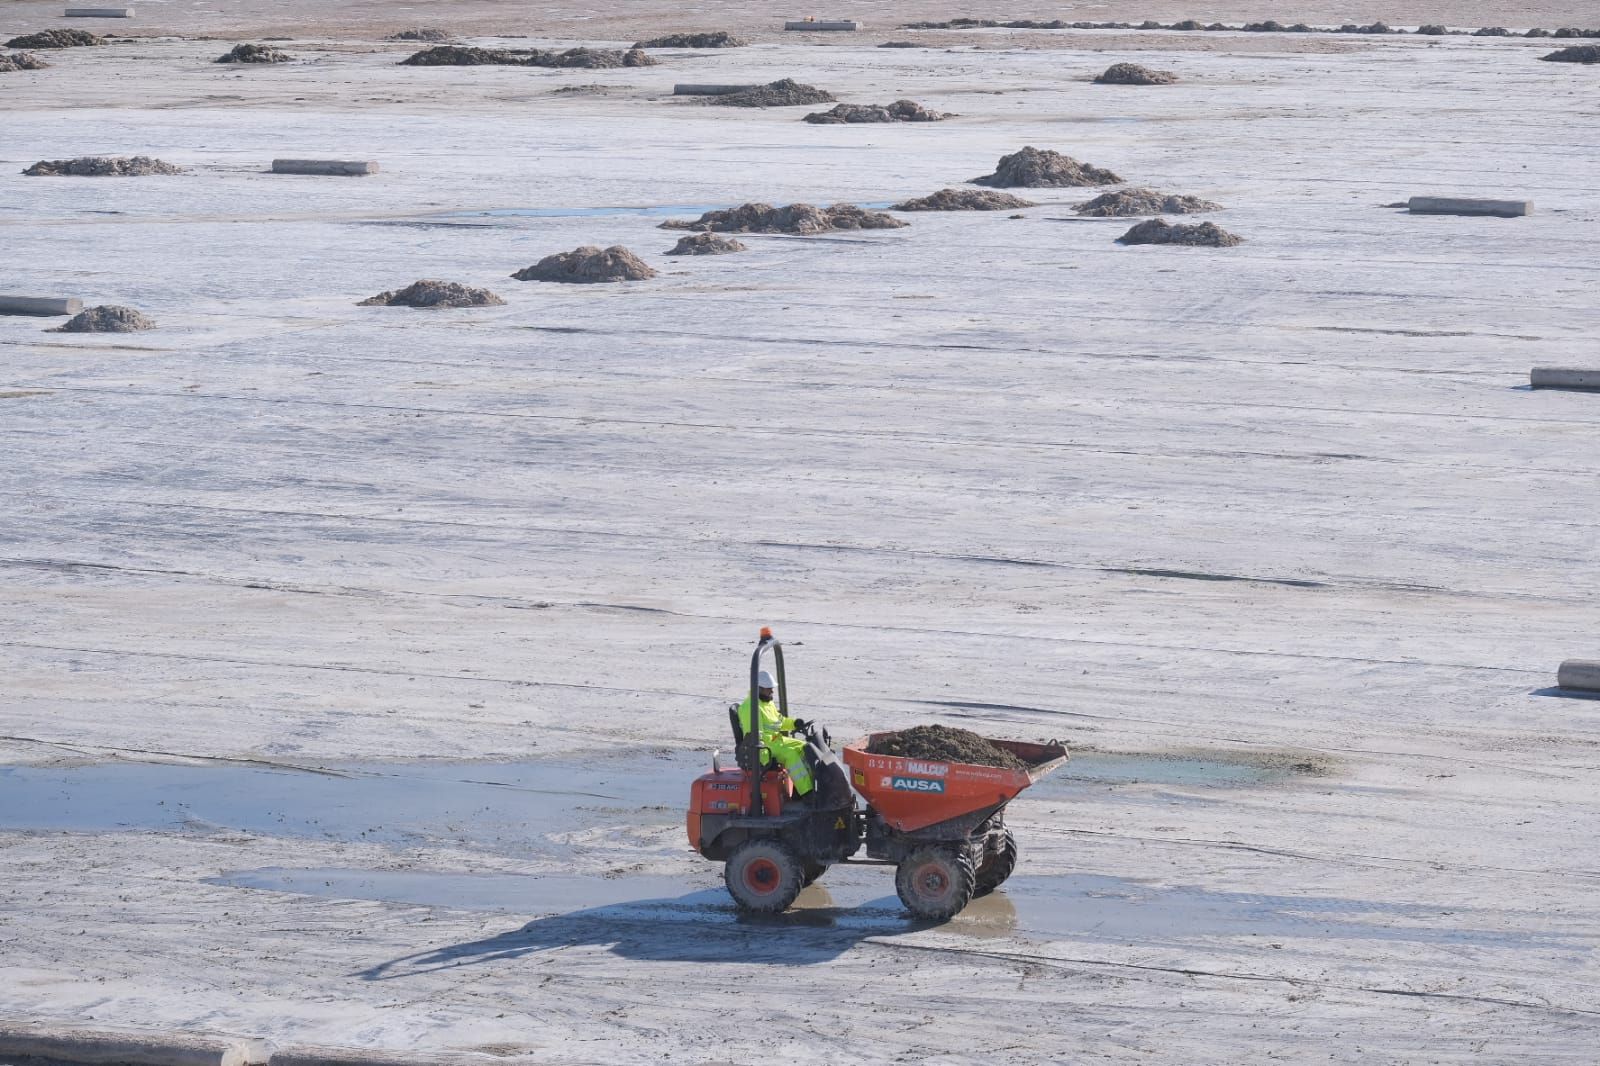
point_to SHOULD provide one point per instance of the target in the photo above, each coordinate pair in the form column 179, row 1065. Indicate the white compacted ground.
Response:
column 1286, row 508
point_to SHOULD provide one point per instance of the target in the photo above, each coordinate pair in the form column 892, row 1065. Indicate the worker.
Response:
column 782, row 737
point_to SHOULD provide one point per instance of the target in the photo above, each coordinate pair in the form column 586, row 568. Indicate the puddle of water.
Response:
column 1112, row 768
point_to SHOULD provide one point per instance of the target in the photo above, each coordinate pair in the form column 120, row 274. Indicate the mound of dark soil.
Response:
column 1186, row 24
column 899, row 111
column 1492, row 31
column 56, row 39
column 107, row 318
column 1433, row 29
column 785, row 92
column 456, row 55
column 1033, row 168
column 101, row 166
column 21, row 61
column 900, row 44
column 965, row 200
column 429, row 293
column 588, row 264
column 1134, row 74
column 1577, row 53
column 942, row 743
column 715, row 39
column 255, row 53
column 1159, row 231
column 426, row 36
column 706, row 243
column 803, row 219
column 1143, row 202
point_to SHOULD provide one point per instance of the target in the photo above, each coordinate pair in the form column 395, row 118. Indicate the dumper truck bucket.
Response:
column 912, row 794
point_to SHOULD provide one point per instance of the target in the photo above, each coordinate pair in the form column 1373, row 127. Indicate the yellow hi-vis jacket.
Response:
column 776, row 738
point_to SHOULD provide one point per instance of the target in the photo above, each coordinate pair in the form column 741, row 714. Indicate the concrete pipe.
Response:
column 693, row 89
column 822, row 24
column 337, row 167
column 92, row 1047
column 1555, row 377
column 1445, row 205
column 1580, row 674
column 39, row 305
column 99, row 12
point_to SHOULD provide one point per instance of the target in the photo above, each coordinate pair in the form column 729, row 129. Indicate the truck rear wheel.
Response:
column 763, row 876
column 935, row 881
column 997, row 867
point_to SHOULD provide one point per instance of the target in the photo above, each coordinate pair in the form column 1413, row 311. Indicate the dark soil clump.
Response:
column 1134, row 74
column 714, row 39
column 425, row 36
column 706, row 243
column 1577, row 53
column 429, row 293
column 941, row 743
column 1033, row 168
column 1159, row 231
column 804, row 219
column 455, row 55
column 899, row 111
column 21, row 61
column 965, row 200
column 56, row 39
column 1143, row 202
column 900, row 44
column 255, row 53
column 101, row 166
column 588, row 264
column 785, row 92
column 107, row 318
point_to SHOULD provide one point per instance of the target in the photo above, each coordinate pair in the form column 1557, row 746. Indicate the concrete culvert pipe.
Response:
column 95, row 1047
column 44, row 306
column 335, row 167
column 1556, row 377
column 1582, row 675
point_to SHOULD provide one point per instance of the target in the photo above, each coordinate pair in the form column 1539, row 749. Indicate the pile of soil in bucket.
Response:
column 785, row 92
column 429, row 293
column 805, row 219
column 255, row 53
column 1159, row 231
column 588, row 264
column 1033, row 168
column 426, row 36
column 714, row 39
column 101, row 166
column 455, row 55
column 107, row 318
column 706, row 243
column 942, row 743
column 1144, row 202
column 1578, row 53
column 21, row 61
column 899, row 111
column 964, row 200
column 1134, row 74
column 56, row 39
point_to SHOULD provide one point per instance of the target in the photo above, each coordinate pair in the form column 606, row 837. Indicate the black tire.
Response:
column 810, row 871
column 763, row 876
column 935, row 881
column 997, row 867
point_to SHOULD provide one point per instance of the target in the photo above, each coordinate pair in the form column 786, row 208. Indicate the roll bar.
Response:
column 753, row 736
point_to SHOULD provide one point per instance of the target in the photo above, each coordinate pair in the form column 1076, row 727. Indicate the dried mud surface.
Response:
column 941, row 743
column 102, row 166
column 785, row 92
column 964, row 200
column 429, row 293
column 1134, row 74
column 1041, row 168
column 802, row 219
column 706, row 243
column 1139, row 201
column 1159, row 231
column 714, row 39
column 588, row 264
column 21, row 61
column 56, row 39
column 254, row 53
column 899, row 111
column 455, row 55
column 107, row 318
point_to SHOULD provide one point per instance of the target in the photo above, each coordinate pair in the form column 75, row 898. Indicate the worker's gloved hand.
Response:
column 801, row 725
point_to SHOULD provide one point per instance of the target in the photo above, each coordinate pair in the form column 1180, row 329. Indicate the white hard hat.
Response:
column 764, row 680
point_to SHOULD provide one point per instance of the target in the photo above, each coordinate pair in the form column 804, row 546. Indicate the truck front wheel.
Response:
column 764, row 876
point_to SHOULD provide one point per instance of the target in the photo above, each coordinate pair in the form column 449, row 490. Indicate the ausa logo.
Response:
column 915, row 784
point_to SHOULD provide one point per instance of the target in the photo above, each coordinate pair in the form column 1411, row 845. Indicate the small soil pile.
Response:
column 804, row 219
column 1144, row 202
column 254, row 53
column 101, row 166
column 1578, row 53
column 785, row 92
column 429, row 293
column 706, row 243
column 588, row 264
column 107, row 318
column 1159, row 231
column 1134, row 74
column 56, row 39
column 715, row 39
column 424, row 35
column 965, row 200
column 1492, row 31
column 900, row 44
column 942, row 743
column 455, row 55
column 899, row 111
column 1033, row 168
column 21, row 61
